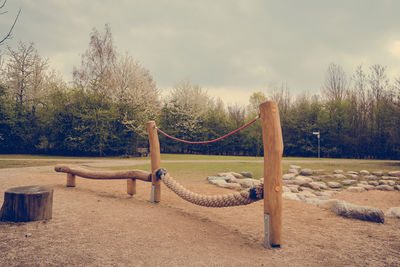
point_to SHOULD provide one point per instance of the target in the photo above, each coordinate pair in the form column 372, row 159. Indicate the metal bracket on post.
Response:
column 152, row 194
column 266, row 231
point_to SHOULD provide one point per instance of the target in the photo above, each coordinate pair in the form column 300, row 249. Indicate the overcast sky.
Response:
column 231, row 48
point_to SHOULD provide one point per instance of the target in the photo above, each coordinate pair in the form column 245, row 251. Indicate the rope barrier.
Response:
column 217, row 201
column 209, row 141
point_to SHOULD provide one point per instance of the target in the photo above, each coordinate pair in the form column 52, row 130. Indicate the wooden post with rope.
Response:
column 273, row 149
column 155, row 161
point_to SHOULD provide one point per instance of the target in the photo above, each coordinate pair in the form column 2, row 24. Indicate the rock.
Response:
column 293, row 188
column 314, row 186
column 394, row 173
column 357, row 189
column 327, row 176
column 384, row 187
column 289, row 176
column 337, row 172
column 364, row 213
column 218, row 182
column 290, row 196
column 295, row 167
column 364, row 172
column 354, row 176
column 377, row 173
column 234, row 186
column 302, row 180
column 363, row 182
column 261, row 180
column 232, row 180
column 327, row 204
column 306, row 172
column 224, row 184
column 348, row 182
column 294, row 171
column 316, row 178
column 319, row 172
column 374, row 183
column 388, row 182
column 393, row 212
column 339, row 176
column 305, row 194
column 323, row 197
column 326, row 194
column 286, row 189
column 247, row 174
column 322, row 185
column 248, row 183
column 225, row 174
column 352, row 172
column 397, row 187
column 303, row 188
column 390, row 178
column 313, row 201
column 366, row 186
column 28, row 235
column 214, row 178
column 236, row 175
column 334, row 185
column 370, row 177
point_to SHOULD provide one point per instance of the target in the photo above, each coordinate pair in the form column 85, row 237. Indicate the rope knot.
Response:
column 257, row 192
column 160, row 172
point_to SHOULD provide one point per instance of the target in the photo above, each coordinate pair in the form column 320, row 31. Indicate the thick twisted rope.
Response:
column 209, row 141
column 216, row 201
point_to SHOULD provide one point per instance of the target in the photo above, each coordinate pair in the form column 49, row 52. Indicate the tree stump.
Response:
column 27, row 203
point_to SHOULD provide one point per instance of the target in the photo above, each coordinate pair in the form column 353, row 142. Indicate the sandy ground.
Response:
column 98, row 224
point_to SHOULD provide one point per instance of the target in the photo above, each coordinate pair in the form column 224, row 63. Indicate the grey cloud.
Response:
column 221, row 44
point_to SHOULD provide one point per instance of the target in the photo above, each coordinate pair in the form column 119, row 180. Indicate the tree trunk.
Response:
column 27, row 203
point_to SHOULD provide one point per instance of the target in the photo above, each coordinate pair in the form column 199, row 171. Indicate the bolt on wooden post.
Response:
column 273, row 149
column 155, row 161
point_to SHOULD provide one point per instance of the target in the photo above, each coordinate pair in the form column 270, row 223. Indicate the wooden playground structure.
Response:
column 270, row 190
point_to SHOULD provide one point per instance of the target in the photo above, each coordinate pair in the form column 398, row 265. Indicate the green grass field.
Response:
column 203, row 169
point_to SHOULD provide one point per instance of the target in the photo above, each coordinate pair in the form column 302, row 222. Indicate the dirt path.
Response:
column 97, row 224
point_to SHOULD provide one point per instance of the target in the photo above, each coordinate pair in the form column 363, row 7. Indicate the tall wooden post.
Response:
column 155, row 161
column 273, row 149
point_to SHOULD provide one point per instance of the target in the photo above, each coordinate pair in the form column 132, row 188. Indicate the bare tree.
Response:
column 253, row 108
column 9, row 34
column 378, row 81
column 97, row 63
column 25, row 74
column 282, row 96
column 335, row 83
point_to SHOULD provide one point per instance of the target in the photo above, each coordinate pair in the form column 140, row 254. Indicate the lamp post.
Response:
column 318, row 136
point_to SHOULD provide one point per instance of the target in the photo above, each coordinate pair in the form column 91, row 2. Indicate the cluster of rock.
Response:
column 312, row 185
column 317, row 187
column 234, row 180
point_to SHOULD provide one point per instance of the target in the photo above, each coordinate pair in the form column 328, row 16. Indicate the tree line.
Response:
column 112, row 96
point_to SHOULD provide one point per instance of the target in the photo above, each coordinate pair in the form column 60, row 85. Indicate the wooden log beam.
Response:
column 273, row 149
column 104, row 175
